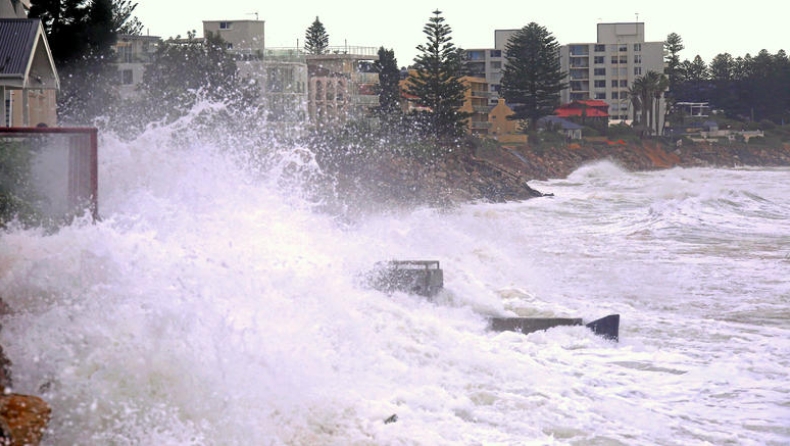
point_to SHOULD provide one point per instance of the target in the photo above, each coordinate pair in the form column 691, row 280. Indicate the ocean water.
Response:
column 214, row 304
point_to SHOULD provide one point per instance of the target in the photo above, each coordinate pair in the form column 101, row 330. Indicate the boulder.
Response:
column 23, row 419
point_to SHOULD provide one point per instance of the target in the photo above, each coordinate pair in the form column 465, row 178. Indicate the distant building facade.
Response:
column 244, row 37
column 133, row 54
column 341, row 84
column 476, row 103
column 605, row 70
column 486, row 63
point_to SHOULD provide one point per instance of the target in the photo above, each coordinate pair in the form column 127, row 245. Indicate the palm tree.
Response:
column 659, row 87
column 646, row 93
column 641, row 99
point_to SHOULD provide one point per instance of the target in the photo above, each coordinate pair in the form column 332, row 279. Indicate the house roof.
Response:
column 25, row 58
column 591, row 108
column 589, row 112
column 592, row 103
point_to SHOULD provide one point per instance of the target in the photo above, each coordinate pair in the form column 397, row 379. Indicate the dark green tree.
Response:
column 532, row 78
column 436, row 84
column 722, row 78
column 123, row 19
column 316, row 38
column 695, row 80
column 389, row 109
column 64, row 23
column 82, row 34
column 672, row 48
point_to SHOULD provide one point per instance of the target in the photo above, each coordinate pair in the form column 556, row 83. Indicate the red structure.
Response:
column 590, row 108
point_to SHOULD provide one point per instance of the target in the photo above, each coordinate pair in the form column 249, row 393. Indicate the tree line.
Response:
column 183, row 71
column 753, row 88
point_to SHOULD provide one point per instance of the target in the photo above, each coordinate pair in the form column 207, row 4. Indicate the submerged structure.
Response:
column 426, row 278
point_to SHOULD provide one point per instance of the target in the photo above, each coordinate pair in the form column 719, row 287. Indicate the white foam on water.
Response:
column 213, row 304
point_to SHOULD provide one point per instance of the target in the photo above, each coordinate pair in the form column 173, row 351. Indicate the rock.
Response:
column 5, row 371
column 23, row 419
column 393, row 418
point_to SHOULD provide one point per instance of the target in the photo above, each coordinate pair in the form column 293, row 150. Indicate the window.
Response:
column 600, row 84
column 229, row 46
column 600, row 48
column 614, row 83
column 637, row 71
column 475, row 55
column 125, row 53
column 637, row 58
column 615, row 95
column 127, row 77
column 600, row 71
column 623, row 47
column 615, row 59
column 495, row 53
column 623, row 83
column 579, row 50
column 623, row 59
column 496, row 65
column 600, row 95
column 623, row 72
column 599, row 60
column 637, row 47
column 225, row 25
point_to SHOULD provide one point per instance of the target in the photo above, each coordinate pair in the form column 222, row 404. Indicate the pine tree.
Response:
column 532, row 78
column 316, row 38
column 672, row 47
column 81, row 34
column 436, row 84
column 388, row 89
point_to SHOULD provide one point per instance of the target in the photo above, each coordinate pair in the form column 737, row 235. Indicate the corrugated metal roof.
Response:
column 17, row 39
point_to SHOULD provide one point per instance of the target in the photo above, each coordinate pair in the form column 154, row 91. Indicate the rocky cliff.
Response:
column 501, row 174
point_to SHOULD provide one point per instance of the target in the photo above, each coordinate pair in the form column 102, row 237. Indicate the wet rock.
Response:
column 23, row 419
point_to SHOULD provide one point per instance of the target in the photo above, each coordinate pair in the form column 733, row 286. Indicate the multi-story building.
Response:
column 486, row 63
column 341, row 84
column 476, row 102
column 133, row 54
column 281, row 75
column 244, row 37
column 605, row 70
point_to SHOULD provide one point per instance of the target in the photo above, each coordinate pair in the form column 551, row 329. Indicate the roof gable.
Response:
column 25, row 58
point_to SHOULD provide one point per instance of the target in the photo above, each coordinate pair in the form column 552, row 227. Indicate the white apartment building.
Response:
column 605, row 69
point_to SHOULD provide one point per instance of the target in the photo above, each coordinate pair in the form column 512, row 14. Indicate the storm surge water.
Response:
column 214, row 304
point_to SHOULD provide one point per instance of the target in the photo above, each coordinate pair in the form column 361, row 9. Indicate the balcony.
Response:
column 579, row 86
column 579, row 50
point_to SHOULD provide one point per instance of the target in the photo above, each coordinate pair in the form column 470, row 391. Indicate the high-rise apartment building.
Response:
column 605, row 69
column 486, row 63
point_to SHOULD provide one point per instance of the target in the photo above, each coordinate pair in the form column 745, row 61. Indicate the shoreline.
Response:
column 501, row 174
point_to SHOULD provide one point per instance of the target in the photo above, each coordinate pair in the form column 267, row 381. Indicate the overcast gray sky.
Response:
column 707, row 28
